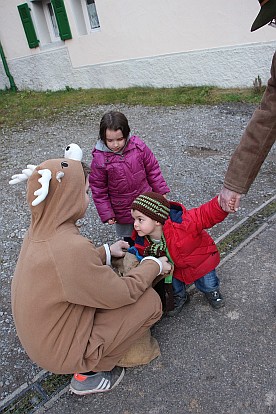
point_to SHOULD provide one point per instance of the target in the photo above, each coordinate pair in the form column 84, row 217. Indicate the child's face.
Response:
column 115, row 140
column 144, row 225
column 87, row 199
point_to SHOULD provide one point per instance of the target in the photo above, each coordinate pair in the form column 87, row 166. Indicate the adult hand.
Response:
column 229, row 200
column 119, row 248
column 166, row 266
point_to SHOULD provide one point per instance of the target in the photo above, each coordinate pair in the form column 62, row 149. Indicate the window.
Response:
column 86, row 16
column 92, row 14
column 51, row 20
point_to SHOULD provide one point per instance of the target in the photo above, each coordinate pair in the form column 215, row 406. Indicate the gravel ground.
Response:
column 193, row 146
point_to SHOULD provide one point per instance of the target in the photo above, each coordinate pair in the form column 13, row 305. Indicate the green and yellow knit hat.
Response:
column 153, row 205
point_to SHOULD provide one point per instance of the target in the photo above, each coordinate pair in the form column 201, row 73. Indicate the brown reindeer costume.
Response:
column 72, row 312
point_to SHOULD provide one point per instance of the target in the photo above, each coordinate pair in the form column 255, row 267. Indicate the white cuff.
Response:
column 108, row 254
column 156, row 260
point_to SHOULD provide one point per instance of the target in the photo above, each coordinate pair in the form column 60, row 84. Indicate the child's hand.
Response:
column 229, row 200
column 112, row 221
column 232, row 205
column 119, row 248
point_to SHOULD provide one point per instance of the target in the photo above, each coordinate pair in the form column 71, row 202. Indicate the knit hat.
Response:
column 153, row 205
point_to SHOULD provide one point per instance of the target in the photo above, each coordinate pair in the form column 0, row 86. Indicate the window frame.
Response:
column 87, row 17
column 49, row 20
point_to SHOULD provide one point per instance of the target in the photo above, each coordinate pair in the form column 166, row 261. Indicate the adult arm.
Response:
column 255, row 144
column 86, row 281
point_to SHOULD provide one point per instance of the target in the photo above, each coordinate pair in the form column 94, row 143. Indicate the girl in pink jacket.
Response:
column 122, row 167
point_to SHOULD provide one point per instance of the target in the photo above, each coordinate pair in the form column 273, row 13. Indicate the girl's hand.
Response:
column 119, row 248
column 112, row 221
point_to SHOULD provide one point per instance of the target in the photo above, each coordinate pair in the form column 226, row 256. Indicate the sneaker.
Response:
column 99, row 382
column 215, row 299
column 179, row 302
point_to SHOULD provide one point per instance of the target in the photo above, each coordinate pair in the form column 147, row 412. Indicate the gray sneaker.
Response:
column 100, row 382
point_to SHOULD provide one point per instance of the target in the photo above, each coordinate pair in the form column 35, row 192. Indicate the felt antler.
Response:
column 72, row 151
column 26, row 173
column 42, row 192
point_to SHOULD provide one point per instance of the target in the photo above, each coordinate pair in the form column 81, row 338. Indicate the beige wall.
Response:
column 12, row 35
column 138, row 29
column 143, row 43
column 132, row 29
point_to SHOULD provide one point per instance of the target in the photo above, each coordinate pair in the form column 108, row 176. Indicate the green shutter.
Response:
column 28, row 25
column 62, row 20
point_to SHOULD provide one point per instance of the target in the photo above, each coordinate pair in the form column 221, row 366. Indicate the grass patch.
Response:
column 25, row 403
column 18, row 107
column 53, row 383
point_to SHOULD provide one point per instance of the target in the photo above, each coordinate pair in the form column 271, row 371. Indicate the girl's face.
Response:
column 87, row 199
column 115, row 140
column 145, row 226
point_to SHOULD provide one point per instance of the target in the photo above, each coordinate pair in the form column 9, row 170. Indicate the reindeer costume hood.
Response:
column 64, row 203
column 72, row 312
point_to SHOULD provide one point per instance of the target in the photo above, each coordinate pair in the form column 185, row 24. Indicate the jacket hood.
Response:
column 100, row 146
column 65, row 202
column 176, row 212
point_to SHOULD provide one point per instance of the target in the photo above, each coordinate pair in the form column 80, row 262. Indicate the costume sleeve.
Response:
column 86, row 281
column 98, row 182
column 207, row 215
column 256, row 141
column 153, row 171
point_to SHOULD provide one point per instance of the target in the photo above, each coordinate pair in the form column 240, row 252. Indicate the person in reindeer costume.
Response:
column 72, row 313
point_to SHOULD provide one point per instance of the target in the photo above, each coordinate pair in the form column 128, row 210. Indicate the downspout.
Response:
column 12, row 83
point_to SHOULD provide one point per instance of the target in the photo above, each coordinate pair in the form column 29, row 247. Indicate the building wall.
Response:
column 147, row 43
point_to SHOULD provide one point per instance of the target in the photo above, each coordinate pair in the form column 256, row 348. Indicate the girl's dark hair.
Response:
column 113, row 120
column 86, row 170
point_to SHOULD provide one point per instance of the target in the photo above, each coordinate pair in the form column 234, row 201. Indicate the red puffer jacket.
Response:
column 191, row 248
column 117, row 179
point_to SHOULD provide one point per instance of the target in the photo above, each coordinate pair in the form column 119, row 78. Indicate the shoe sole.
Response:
column 86, row 392
column 217, row 306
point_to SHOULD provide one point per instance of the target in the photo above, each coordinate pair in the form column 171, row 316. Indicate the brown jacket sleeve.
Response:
column 256, row 141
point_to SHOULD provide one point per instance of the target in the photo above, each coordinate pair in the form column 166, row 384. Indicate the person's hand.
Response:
column 229, row 200
column 111, row 221
column 166, row 266
column 119, row 248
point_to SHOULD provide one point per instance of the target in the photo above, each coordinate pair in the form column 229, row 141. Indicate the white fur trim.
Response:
column 108, row 254
column 156, row 260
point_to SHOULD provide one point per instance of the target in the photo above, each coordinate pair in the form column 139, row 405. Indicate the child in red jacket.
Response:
column 163, row 227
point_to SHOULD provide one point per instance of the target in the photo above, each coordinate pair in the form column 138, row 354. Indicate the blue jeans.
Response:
column 207, row 283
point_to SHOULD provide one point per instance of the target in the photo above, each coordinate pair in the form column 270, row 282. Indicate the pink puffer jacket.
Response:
column 117, row 179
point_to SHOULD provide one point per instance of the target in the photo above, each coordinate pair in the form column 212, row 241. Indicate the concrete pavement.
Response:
column 213, row 361
column 204, row 352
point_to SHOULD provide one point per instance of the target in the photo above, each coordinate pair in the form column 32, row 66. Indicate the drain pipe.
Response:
column 13, row 85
